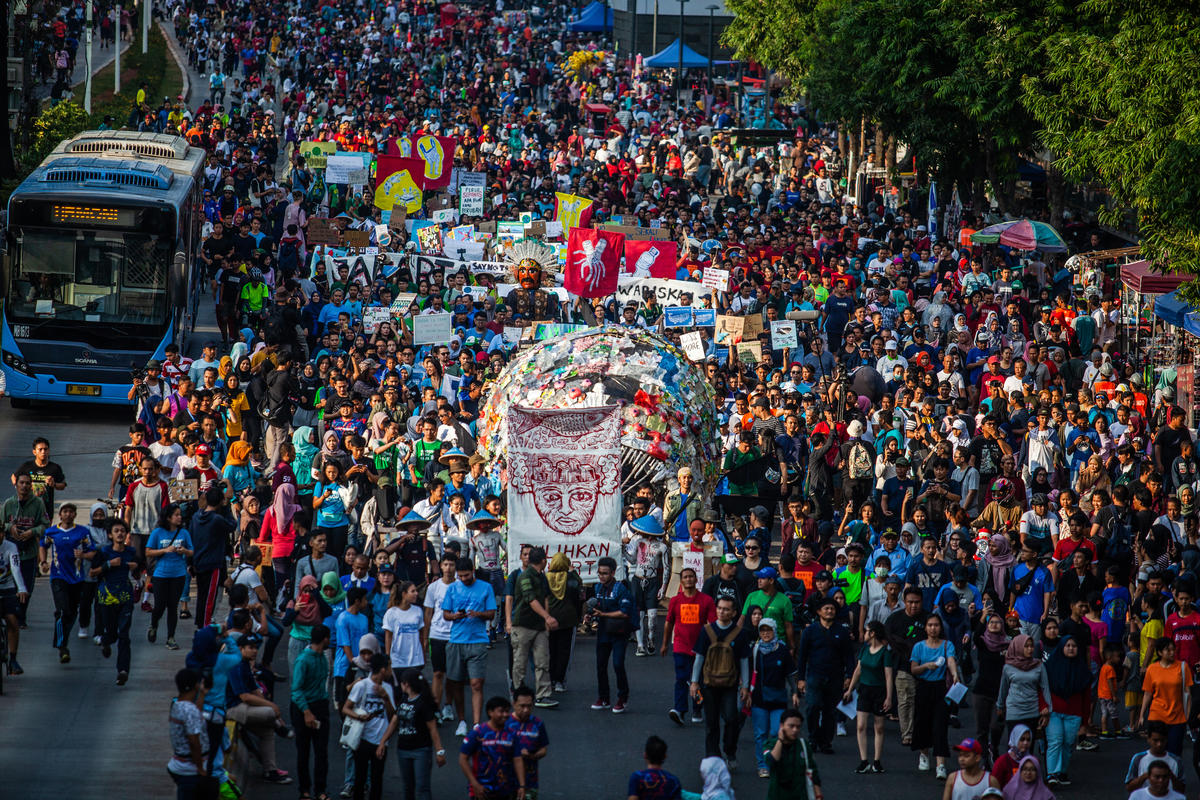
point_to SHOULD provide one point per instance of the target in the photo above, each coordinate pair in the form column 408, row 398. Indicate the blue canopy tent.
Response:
column 595, row 18
column 1170, row 308
column 668, row 58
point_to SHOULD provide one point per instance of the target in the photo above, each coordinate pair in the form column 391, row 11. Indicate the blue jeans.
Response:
column 1060, row 741
column 683, row 682
column 415, row 769
column 766, row 724
column 822, row 696
column 616, row 648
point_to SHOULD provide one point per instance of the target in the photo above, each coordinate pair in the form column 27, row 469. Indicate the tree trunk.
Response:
column 1056, row 192
column 879, row 139
column 8, row 167
column 889, row 158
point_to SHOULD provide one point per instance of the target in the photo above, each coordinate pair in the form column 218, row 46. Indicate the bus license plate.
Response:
column 83, row 390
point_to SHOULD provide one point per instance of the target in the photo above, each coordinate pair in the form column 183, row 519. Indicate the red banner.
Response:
column 650, row 259
column 593, row 262
column 438, row 154
column 387, row 165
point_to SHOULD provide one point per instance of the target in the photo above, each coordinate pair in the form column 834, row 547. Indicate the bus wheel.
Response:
column 20, row 402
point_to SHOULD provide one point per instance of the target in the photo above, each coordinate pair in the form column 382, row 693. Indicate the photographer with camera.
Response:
column 149, row 390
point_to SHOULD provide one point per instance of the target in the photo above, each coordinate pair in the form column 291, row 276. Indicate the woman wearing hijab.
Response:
column 277, row 534
column 566, row 606
column 303, row 439
column 991, row 644
column 1070, row 678
column 233, row 406
column 1027, row 784
column 1000, row 560
column 718, row 785
column 309, row 382
column 238, row 473
column 1019, row 743
column 333, row 504
column 1022, row 684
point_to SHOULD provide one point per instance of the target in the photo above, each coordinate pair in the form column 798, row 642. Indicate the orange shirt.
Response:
column 1107, row 672
column 1167, row 685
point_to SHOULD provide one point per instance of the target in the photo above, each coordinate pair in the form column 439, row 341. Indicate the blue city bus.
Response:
column 97, row 275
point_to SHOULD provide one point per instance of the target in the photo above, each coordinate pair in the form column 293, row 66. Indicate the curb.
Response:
column 180, row 61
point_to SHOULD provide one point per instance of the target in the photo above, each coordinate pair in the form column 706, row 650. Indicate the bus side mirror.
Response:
column 178, row 280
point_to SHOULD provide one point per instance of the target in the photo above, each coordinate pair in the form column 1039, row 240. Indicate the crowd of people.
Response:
column 955, row 494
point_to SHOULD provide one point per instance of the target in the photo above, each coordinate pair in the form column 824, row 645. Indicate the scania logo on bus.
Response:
column 86, row 358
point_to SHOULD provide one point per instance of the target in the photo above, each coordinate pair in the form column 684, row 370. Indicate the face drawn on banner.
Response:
column 564, row 461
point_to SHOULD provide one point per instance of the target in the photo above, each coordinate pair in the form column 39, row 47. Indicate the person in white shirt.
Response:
column 439, row 635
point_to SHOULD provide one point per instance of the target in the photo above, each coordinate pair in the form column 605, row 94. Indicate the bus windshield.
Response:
column 91, row 276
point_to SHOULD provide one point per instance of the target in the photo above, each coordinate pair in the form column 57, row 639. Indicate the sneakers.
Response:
column 171, row 645
column 347, row 791
column 1086, row 744
column 122, row 677
column 697, row 718
column 147, row 606
column 106, row 650
column 942, row 773
column 185, row 614
column 64, row 655
column 13, row 667
column 619, row 708
column 1052, row 781
column 1063, row 780
column 461, row 730
column 282, row 730
column 277, row 776
column 676, row 717
column 955, row 722
column 640, row 652
column 864, row 766
column 841, row 729
column 601, row 705
column 559, row 688
column 923, row 763
column 763, row 772
column 151, row 635
column 547, row 702
column 446, row 714
column 83, row 633
column 877, row 767
column 97, row 640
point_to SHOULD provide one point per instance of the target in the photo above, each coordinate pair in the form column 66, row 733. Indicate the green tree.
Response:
column 1119, row 104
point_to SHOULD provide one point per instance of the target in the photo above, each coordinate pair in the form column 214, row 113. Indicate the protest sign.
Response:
column 752, row 327
column 443, row 216
column 564, row 494
column 432, row 328
column 181, row 490
column 315, row 153
column 783, row 334
column 677, row 317
column 716, row 279
column 668, row 292
column 704, row 317
column 373, row 315
column 512, row 334
column 729, row 329
column 471, row 189
column 693, row 345
column 338, row 168
column 749, row 352
column 322, row 230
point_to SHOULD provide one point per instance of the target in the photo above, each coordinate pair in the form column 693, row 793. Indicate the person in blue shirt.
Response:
column 613, row 605
column 250, row 709
column 216, row 699
column 529, row 734
column 170, row 545
column 332, row 496
column 930, row 662
column 114, row 592
column 468, row 606
column 889, row 543
column 351, row 625
column 61, row 552
column 654, row 782
column 1030, row 594
column 488, row 755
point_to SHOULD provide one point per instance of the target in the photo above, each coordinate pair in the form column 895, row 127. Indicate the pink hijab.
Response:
column 284, row 507
column 1018, row 789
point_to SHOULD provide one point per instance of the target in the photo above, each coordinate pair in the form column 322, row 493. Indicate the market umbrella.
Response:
column 1023, row 234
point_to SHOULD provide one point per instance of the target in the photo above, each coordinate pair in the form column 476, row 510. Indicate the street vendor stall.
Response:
column 1147, row 339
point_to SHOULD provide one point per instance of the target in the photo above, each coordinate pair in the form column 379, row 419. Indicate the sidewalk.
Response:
column 100, row 60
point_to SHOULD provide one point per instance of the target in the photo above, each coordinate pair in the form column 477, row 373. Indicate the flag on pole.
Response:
column 572, row 211
column 932, row 223
column 593, row 262
column 650, row 259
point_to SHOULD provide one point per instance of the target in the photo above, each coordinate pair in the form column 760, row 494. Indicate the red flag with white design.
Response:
column 593, row 262
column 438, row 154
column 650, row 259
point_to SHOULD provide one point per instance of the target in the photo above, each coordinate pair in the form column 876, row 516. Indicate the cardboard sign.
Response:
column 677, row 317
column 749, row 352
column 729, row 329
column 512, row 334
column 182, row 490
column 322, row 230
column 783, row 334
column 638, row 234
column 693, row 345
column 356, row 239
column 432, row 328
column 752, row 327
column 716, row 279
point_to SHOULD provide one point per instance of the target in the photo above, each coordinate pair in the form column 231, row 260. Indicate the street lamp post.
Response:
column 117, row 53
column 711, row 10
column 87, row 38
column 679, row 71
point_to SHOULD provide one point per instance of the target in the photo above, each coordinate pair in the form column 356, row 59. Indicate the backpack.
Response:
column 289, row 257
column 720, row 669
column 859, row 460
column 1120, row 536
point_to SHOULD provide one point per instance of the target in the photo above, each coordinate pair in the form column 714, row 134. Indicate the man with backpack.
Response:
column 1113, row 527
column 825, row 659
column 276, row 407
column 858, row 460
column 720, row 677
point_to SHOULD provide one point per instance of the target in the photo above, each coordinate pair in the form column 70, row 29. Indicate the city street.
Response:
column 68, row 730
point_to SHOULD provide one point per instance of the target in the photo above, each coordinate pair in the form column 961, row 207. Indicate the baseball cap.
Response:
column 729, row 558
column 247, row 639
column 993, row 360
column 823, row 575
column 766, row 572
column 894, row 579
column 203, row 450
column 387, row 568
column 991, row 791
column 153, row 364
column 891, row 345
column 969, row 746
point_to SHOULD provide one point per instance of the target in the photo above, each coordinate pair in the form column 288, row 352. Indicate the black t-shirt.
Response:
column 1170, row 441
column 44, row 479
column 229, row 288
column 218, row 247
column 412, row 722
column 717, row 587
column 987, row 456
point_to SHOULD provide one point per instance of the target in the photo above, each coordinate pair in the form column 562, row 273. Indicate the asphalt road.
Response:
column 68, row 730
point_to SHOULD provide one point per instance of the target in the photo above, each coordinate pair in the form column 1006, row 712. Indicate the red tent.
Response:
column 1141, row 277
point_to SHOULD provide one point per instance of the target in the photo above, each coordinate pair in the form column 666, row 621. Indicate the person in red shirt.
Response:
column 1183, row 626
column 688, row 613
